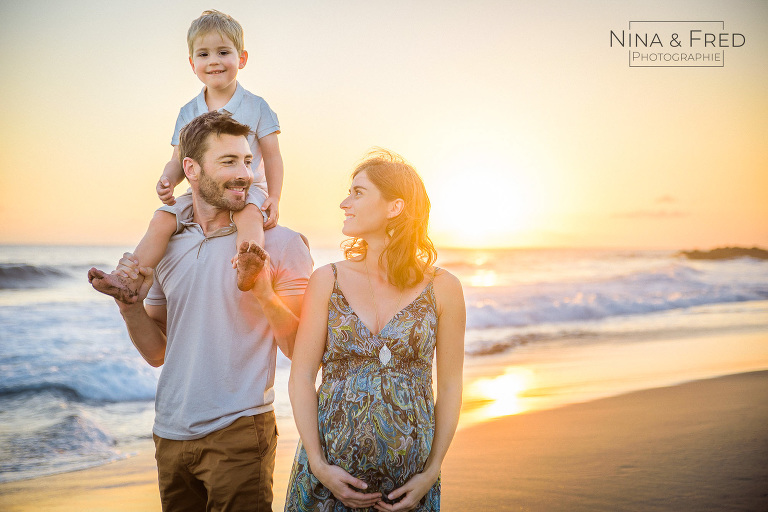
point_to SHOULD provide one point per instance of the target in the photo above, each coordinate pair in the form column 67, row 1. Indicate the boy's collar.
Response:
column 234, row 102
column 231, row 106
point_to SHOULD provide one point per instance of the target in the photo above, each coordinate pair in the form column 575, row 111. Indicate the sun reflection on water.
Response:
column 484, row 278
column 502, row 394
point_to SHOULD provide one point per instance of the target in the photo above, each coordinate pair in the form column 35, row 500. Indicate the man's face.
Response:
column 225, row 172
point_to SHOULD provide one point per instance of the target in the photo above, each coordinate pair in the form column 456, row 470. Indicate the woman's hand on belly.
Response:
column 342, row 484
column 409, row 494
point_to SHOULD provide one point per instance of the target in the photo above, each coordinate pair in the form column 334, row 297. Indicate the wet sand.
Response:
column 698, row 446
column 701, row 445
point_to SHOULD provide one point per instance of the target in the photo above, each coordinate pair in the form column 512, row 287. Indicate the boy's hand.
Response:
column 165, row 191
column 270, row 206
column 128, row 266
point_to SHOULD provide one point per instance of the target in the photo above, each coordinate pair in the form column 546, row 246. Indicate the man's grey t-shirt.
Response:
column 220, row 356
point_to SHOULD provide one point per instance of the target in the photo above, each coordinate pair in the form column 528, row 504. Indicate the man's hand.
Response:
column 124, row 283
column 165, row 191
column 270, row 207
column 147, row 276
column 128, row 267
column 262, row 287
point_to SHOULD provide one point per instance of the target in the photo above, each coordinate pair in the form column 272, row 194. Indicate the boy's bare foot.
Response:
column 250, row 261
column 122, row 288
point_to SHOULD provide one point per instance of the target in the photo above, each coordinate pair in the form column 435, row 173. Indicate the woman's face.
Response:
column 366, row 212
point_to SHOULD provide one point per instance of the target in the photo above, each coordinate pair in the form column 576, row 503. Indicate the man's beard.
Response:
column 213, row 193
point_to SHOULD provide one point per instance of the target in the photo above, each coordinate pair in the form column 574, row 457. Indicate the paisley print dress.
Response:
column 375, row 404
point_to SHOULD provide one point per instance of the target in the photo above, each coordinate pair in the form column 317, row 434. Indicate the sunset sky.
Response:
column 528, row 128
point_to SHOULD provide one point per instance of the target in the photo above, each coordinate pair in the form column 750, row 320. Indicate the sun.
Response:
column 484, row 204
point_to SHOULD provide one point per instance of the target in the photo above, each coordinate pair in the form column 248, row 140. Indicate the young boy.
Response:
column 216, row 54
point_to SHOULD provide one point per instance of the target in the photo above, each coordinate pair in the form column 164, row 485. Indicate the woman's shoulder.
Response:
column 350, row 267
column 445, row 283
column 329, row 272
column 325, row 272
column 441, row 275
column 322, row 278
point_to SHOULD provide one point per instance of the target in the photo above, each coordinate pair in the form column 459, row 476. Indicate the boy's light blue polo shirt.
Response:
column 245, row 107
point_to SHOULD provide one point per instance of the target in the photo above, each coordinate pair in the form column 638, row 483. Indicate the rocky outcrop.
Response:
column 726, row 253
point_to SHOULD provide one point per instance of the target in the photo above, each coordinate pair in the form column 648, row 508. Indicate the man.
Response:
column 214, row 432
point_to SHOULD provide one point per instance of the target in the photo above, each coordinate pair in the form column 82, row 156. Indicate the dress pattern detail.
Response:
column 375, row 404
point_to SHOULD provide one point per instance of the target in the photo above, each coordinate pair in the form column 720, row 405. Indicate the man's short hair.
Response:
column 193, row 138
column 216, row 21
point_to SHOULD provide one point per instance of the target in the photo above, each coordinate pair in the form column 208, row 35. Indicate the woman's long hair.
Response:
column 409, row 252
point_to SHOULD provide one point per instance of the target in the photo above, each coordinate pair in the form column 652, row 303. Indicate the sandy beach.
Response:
column 701, row 445
column 697, row 446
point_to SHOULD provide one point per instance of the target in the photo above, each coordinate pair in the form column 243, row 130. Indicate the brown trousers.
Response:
column 227, row 470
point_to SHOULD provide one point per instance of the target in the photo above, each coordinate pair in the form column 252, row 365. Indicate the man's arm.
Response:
column 282, row 311
column 146, row 324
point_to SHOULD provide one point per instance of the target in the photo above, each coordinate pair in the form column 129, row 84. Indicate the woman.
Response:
column 372, row 436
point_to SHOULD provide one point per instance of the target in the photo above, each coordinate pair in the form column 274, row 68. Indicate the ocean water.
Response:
column 75, row 393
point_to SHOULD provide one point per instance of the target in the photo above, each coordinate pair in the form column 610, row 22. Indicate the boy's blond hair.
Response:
column 216, row 21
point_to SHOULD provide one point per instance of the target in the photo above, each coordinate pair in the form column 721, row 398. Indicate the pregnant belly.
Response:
column 380, row 432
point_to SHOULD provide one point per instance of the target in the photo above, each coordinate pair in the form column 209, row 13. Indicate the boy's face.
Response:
column 215, row 60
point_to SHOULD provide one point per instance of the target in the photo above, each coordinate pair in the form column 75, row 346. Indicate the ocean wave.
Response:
column 21, row 275
column 68, row 442
column 708, row 319
column 115, row 381
column 63, row 390
column 485, row 347
column 672, row 286
column 73, row 432
column 97, row 381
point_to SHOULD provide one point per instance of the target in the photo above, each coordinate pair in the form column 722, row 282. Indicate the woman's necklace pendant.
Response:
column 385, row 355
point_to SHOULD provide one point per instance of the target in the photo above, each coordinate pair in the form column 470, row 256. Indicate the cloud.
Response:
column 655, row 212
column 666, row 198
column 651, row 214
